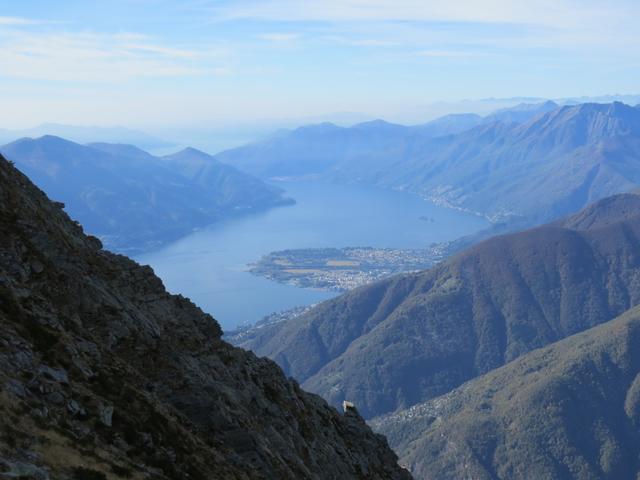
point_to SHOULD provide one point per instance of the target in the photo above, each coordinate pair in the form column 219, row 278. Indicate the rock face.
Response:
column 568, row 411
column 103, row 374
column 401, row 341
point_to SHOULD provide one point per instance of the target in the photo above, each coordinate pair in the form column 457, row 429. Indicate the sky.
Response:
column 191, row 63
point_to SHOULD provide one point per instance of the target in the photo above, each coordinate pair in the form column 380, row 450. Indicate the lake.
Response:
column 209, row 266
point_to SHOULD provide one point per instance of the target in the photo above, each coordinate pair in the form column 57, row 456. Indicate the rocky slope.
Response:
column 104, row 375
column 404, row 340
column 132, row 200
column 568, row 411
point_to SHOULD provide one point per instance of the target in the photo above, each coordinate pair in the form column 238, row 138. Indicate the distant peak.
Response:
column 46, row 139
column 51, row 138
column 192, row 151
column 613, row 108
column 377, row 123
column 319, row 126
column 550, row 104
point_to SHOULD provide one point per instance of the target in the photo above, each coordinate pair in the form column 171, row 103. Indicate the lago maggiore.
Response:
column 211, row 265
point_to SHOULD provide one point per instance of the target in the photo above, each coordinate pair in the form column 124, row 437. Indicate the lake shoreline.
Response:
column 210, row 265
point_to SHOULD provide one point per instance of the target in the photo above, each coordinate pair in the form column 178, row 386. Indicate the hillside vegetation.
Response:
column 567, row 411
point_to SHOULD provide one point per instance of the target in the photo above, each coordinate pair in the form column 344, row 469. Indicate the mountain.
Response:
column 553, row 164
column 130, row 199
column 521, row 113
column 314, row 150
column 545, row 168
column 449, row 125
column 568, row 411
column 231, row 186
column 395, row 343
column 103, row 374
column 326, row 149
column 83, row 134
column 628, row 99
column 123, row 150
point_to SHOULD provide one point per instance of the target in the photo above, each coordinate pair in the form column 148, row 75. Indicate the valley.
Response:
column 415, row 336
column 303, row 240
column 211, row 266
column 400, row 297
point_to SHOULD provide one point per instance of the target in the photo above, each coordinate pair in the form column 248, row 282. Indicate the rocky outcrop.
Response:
column 103, row 374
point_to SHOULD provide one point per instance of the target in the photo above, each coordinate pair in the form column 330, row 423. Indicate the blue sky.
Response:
column 155, row 63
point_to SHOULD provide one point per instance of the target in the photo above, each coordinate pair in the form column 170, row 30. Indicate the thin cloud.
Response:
column 370, row 42
column 279, row 37
column 447, row 53
column 570, row 24
column 18, row 21
column 556, row 13
column 160, row 51
column 102, row 58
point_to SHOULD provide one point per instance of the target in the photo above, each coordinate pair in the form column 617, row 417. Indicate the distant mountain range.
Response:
column 532, row 162
column 552, row 165
column 86, row 134
column 401, row 341
column 487, row 106
column 520, row 113
column 324, row 149
column 328, row 150
column 132, row 200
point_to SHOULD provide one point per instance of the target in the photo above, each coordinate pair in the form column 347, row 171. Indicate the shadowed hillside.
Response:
column 567, row 411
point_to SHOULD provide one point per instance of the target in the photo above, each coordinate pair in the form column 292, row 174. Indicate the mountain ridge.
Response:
column 131, row 199
column 85, row 134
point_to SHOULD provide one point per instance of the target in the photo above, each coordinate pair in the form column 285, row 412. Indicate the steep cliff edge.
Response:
column 105, row 375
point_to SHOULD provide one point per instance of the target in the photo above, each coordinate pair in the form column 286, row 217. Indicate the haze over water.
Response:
column 209, row 266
